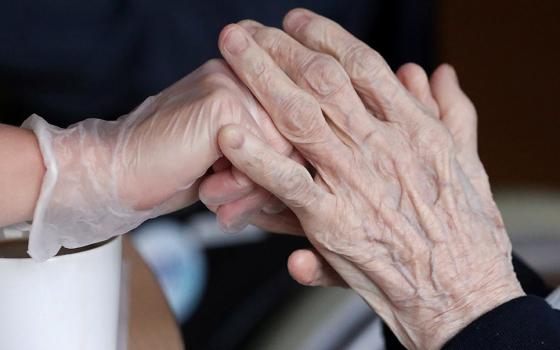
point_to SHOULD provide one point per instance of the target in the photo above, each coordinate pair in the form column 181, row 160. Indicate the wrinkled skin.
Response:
column 400, row 205
column 443, row 97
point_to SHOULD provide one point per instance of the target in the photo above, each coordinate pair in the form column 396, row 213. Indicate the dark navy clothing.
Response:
column 68, row 60
column 520, row 324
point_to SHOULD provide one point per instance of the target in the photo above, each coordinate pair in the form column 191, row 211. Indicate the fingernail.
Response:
column 236, row 42
column 234, row 138
column 296, row 20
column 234, row 227
column 273, row 208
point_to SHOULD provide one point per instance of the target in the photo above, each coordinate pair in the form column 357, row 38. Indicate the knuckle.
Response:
column 296, row 187
column 303, row 116
column 376, row 137
column 217, row 81
column 260, row 71
column 324, row 75
column 221, row 94
column 269, row 37
column 215, row 64
column 435, row 138
column 364, row 63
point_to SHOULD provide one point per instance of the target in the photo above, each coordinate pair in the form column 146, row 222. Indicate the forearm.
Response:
column 21, row 174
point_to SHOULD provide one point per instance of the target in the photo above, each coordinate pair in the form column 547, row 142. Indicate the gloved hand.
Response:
column 104, row 178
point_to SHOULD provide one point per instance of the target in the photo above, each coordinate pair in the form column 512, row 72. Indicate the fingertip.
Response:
column 233, row 39
column 224, row 32
column 401, row 72
column 296, row 259
column 302, row 267
column 445, row 73
column 231, row 226
column 451, row 71
column 445, row 87
column 250, row 25
column 213, row 208
column 412, row 76
column 295, row 19
column 411, row 68
column 456, row 107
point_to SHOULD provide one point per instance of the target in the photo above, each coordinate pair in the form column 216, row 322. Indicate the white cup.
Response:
column 69, row 302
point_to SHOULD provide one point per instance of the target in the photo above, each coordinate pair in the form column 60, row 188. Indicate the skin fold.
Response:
column 399, row 204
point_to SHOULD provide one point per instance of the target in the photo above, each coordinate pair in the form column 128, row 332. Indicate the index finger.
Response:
column 296, row 114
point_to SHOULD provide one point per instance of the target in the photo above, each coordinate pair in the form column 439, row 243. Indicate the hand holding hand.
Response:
column 106, row 177
column 391, row 207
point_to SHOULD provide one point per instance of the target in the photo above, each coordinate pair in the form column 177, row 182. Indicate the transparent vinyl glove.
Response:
column 105, row 178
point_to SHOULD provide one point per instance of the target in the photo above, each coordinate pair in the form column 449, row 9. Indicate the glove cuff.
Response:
column 41, row 247
column 79, row 203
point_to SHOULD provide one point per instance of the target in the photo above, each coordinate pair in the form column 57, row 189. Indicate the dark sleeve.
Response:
column 523, row 323
column 530, row 281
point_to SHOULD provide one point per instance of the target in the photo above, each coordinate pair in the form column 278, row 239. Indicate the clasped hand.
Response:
column 397, row 202
column 379, row 171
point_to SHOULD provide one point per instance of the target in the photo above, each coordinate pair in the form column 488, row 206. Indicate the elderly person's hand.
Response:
column 442, row 96
column 106, row 177
column 391, row 207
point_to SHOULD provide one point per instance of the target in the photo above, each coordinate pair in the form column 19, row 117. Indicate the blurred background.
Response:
column 507, row 55
column 67, row 61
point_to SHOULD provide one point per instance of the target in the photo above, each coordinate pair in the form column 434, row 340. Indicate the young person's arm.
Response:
column 21, row 174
